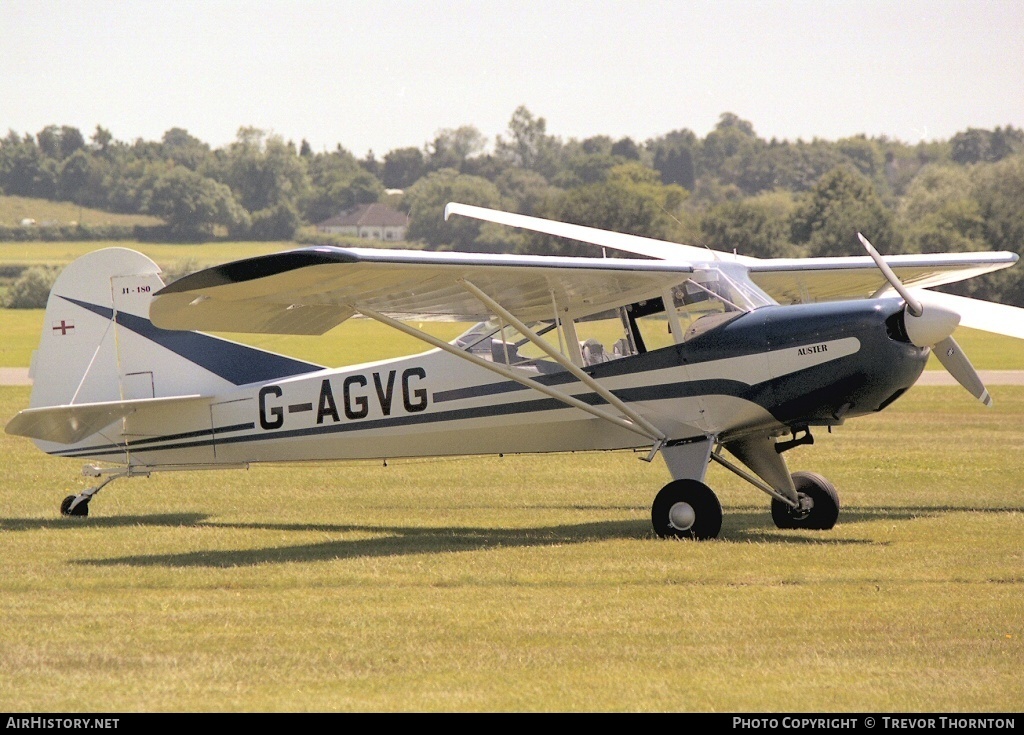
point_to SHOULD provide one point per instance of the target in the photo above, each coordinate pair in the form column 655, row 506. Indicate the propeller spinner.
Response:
column 931, row 325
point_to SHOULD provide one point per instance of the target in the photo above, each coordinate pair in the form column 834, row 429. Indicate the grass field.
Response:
column 14, row 209
column 525, row 583
column 167, row 255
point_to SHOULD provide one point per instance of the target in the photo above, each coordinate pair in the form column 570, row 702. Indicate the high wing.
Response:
column 787, row 280
column 802, row 280
column 312, row 290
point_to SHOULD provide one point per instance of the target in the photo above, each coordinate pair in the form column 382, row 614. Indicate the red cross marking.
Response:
column 63, row 327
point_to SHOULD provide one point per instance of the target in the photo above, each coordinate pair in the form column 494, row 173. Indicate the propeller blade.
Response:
column 984, row 315
column 913, row 305
column 956, row 362
column 934, row 326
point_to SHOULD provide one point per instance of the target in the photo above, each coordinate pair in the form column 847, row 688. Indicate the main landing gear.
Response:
column 687, row 508
column 819, row 504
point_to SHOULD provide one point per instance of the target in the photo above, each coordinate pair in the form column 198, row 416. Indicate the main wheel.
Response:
column 82, row 509
column 819, row 503
column 686, row 509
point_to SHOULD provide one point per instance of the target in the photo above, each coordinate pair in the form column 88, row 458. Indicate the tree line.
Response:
column 730, row 190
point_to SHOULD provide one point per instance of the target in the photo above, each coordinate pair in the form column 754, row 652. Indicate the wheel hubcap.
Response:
column 681, row 516
column 806, row 505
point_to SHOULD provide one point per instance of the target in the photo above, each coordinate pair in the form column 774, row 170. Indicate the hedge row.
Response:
column 18, row 233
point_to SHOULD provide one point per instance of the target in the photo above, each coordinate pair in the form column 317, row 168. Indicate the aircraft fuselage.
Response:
column 774, row 369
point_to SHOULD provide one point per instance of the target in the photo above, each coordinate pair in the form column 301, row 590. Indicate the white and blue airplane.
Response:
column 683, row 352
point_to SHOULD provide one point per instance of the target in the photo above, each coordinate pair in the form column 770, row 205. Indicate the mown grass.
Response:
column 167, row 255
column 526, row 583
column 13, row 209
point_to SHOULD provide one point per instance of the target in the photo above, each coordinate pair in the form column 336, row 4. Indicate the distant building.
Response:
column 371, row 221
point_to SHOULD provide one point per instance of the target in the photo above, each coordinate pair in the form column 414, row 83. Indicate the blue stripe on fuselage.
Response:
column 238, row 364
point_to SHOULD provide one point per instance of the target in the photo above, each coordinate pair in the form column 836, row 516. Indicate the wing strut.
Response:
column 508, row 373
column 649, row 429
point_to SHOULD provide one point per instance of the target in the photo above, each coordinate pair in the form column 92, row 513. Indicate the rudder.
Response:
column 98, row 344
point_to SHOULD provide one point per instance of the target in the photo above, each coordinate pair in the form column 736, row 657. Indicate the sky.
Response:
column 384, row 74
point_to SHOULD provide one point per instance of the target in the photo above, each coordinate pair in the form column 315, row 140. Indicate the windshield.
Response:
column 726, row 287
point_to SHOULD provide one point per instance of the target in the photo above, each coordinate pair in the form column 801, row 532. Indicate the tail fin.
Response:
column 98, row 344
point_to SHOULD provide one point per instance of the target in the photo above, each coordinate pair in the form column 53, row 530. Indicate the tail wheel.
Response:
column 686, row 509
column 82, row 509
column 819, row 504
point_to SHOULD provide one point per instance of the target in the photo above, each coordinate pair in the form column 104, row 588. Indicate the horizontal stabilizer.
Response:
column 71, row 424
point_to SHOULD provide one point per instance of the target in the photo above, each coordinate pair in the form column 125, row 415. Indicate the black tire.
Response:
column 824, row 510
column 82, row 509
column 701, row 518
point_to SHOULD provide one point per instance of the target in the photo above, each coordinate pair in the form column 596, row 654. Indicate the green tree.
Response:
column 526, row 192
column 184, row 149
column 528, row 145
column 997, row 189
column 102, row 140
column 631, row 200
column 59, row 142
column 24, row 169
column 940, row 214
column 579, row 166
column 425, row 201
column 757, row 226
column 77, row 171
column 452, row 146
column 275, row 223
column 724, row 146
column 626, row 148
column 192, row 204
column 864, row 155
column 839, row 206
column 675, row 158
column 402, row 168
column 262, row 170
column 337, row 183
column 976, row 145
column 32, row 289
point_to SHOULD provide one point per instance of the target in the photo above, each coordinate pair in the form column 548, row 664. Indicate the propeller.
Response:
column 931, row 324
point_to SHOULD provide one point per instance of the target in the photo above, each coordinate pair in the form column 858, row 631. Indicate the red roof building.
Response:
column 371, row 221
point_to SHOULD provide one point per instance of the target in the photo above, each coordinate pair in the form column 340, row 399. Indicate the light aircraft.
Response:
column 683, row 352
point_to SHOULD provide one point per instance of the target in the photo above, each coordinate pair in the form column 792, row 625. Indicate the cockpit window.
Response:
column 509, row 346
column 706, row 299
